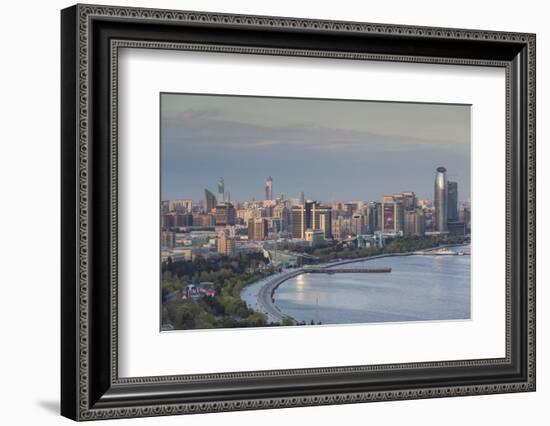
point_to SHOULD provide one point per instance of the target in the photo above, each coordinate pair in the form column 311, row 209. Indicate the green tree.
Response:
column 288, row 321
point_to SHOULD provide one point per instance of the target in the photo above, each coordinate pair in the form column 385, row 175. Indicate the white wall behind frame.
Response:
column 30, row 88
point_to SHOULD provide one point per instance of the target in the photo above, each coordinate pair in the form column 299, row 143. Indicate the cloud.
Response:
column 202, row 130
column 329, row 150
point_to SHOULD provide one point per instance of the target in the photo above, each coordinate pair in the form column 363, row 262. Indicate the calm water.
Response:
column 418, row 288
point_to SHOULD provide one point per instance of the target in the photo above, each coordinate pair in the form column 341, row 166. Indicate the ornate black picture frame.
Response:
column 91, row 387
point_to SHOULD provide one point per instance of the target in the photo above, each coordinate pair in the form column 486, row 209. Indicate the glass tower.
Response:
column 209, row 200
column 221, row 191
column 452, row 200
column 269, row 188
column 440, row 199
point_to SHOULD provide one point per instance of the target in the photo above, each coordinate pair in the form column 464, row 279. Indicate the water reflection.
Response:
column 418, row 288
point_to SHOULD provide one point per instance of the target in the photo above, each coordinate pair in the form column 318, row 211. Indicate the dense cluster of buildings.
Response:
column 216, row 225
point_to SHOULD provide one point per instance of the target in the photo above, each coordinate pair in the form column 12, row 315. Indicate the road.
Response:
column 265, row 295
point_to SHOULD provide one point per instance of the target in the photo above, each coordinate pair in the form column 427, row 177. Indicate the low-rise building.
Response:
column 316, row 237
column 456, row 227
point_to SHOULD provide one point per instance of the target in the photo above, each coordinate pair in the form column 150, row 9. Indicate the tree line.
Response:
column 229, row 275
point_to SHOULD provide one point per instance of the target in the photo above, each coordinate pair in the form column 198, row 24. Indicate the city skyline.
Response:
column 266, row 244
column 296, row 196
column 330, row 150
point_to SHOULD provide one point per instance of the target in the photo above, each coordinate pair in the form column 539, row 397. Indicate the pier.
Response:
column 440, row 253
column 322, row 270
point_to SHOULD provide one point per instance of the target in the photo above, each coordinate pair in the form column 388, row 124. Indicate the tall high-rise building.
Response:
column 281, row 211
column 221, row 191
column 339, row 229
column 358, row 224
column 164, row 207
column 203, row 219
column 302, row 198
column 225, row 214
column 349, row 209
column 180, row 206
column 173, row 220
column 249, row 213
column 257, row 229
column 310, row 215
column 466, row 218
column 275, row 224
column 269, row 188
column 184, row 219
column 209, row 201
column 391, row 214
column 387, row 214
column 414, row 223
column 322, row 219
column 440, row 199
column 168, row 239
column 372, row 216
column 452, row 201
column 168, row 220
column 226, row 245
column 409, row 200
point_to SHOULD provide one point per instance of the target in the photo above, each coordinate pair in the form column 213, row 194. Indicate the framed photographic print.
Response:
column 263, row 212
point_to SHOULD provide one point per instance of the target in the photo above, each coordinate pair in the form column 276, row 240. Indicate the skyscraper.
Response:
column 414, row 223
column 221, row 191
column 257, row 229
column 226, row 245
column 339, row 227
column 322, row 219
column 180, row 206
column 184, row 219
column 452, row 201
column 358, row 224
column 168, row 239
column 392, row 217
column 225, row 214
column 209, row 200
column 408, row 198
column 311, row 215
column 269, row 188
column 440, row 199
column 349, row 209
column 387, row 214
column 372, row 216
column 467, row 217
column 280, row 211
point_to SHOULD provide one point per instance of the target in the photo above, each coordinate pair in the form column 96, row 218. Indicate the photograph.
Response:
column 347, row 207
column 279, row 211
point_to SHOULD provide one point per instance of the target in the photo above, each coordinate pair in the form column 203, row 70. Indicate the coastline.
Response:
column 265, row 302
column 380, row 256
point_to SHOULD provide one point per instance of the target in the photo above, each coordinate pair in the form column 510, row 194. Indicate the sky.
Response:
column 332, row 150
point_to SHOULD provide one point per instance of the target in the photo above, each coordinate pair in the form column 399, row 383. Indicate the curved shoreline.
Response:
column 380, row 256
column 267, row 291
column 265, row 296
